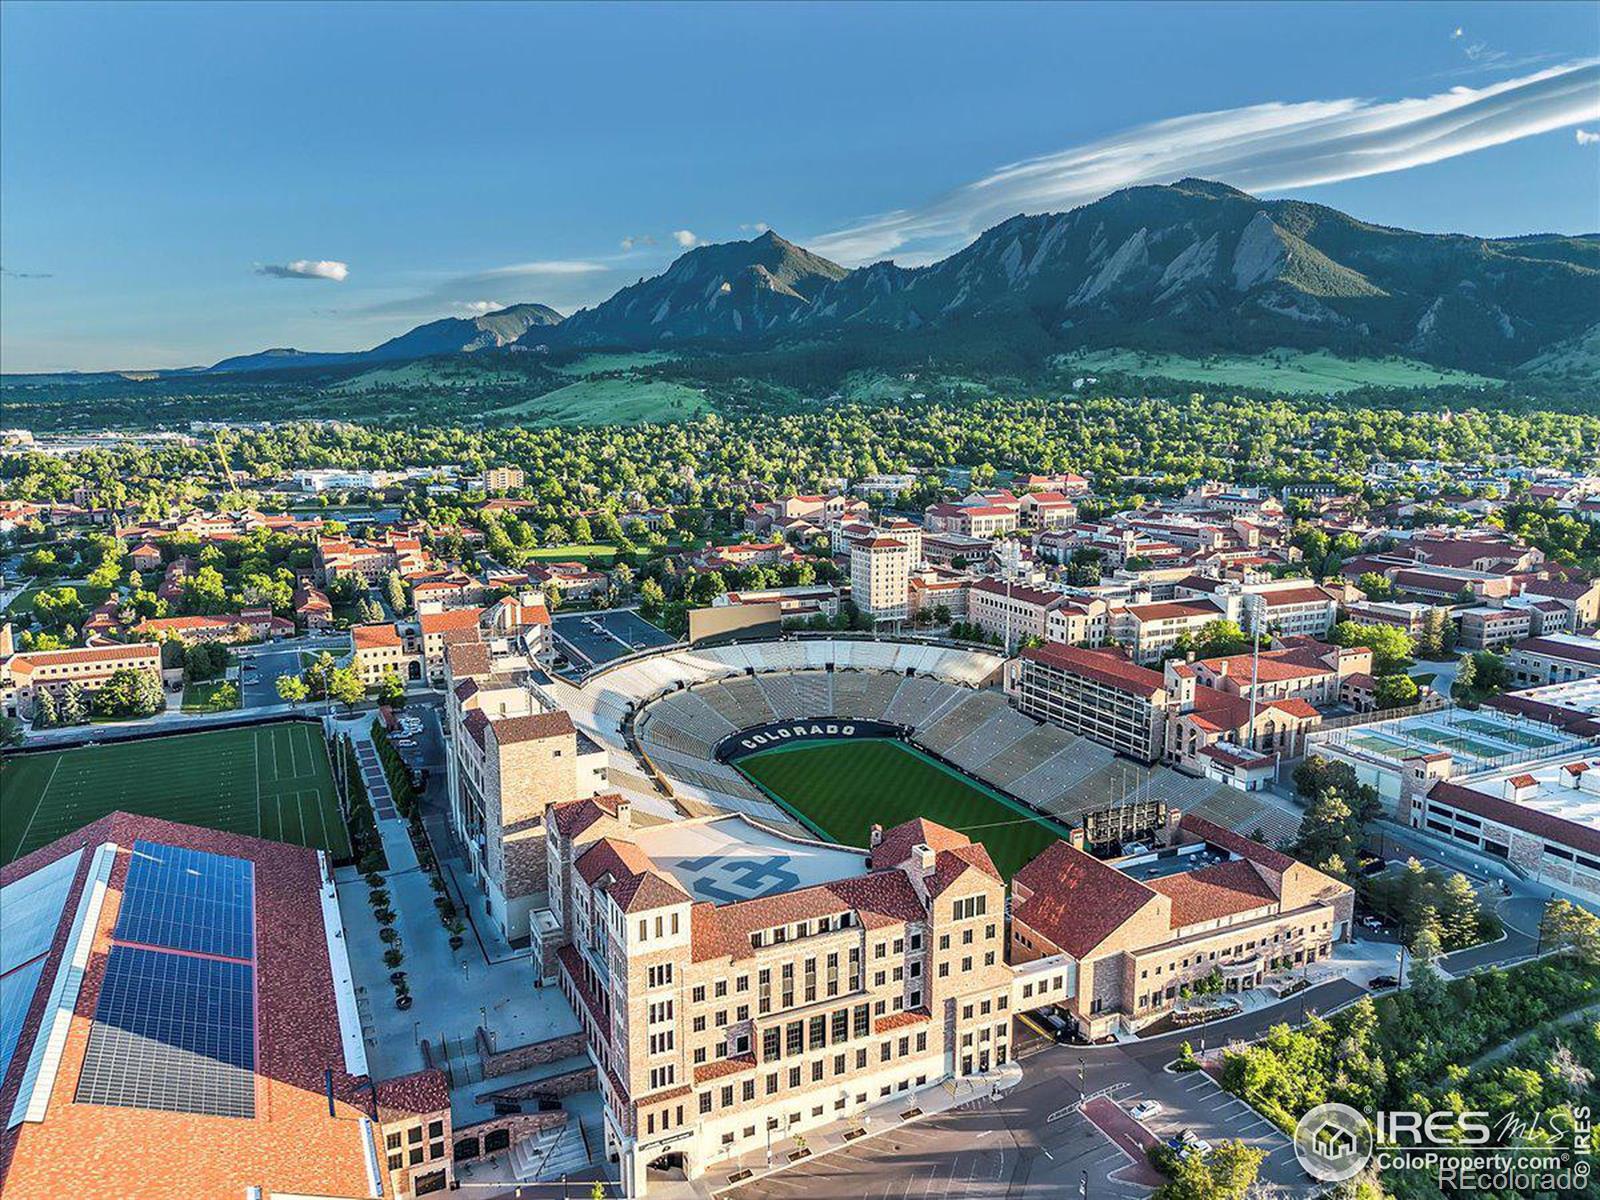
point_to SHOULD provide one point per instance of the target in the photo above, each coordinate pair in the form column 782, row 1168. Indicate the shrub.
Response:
column 389, row 934
column 393, row 957
column 385, row 916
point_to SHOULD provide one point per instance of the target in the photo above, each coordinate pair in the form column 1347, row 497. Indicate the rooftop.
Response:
column 730, row 858
column 97, row 1084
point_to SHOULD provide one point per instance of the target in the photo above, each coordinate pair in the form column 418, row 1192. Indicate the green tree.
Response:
column 292, row 689
column 394, row 590
column 651, row 597
column 1571, row 929
column 1459, row 912
column 345, row 686
column 1227, row 1173
column 392, row 689
column 45, row 715
column 1391, row 647
column 1395, row 691
column 74, row 706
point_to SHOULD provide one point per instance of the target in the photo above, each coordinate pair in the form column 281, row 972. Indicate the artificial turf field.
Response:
column 840, row 789
column 271, row 781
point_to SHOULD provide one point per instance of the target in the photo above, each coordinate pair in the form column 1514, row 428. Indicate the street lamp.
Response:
column 1080, row 1073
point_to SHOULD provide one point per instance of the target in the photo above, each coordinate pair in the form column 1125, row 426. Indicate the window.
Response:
column 659, row 975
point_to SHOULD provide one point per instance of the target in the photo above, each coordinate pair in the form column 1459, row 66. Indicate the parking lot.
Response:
column 589, row 639
column 1196, row 1101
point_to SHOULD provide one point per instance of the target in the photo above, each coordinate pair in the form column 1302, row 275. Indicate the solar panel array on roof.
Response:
column 174, row 1032
column 16, row 995
column 188, row 900
column 31, row 908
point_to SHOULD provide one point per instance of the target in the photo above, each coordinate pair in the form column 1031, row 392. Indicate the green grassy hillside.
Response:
column 1293, row 372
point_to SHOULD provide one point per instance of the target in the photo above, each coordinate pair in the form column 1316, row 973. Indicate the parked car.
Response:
column 1379, row 982
column 1190, row 1142
column 1376, row 867
column 1144, row 1110
column 1371, row 923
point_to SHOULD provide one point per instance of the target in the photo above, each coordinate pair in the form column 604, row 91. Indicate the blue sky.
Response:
column 171, row 177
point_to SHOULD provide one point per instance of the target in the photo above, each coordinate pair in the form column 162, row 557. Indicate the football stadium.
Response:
column 272, row 781
column 826, row 736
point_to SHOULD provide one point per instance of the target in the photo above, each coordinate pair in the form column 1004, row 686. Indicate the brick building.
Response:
column 790, row 997
column 1213, row 905
column 24, row 674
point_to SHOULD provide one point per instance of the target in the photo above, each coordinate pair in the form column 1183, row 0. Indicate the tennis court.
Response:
column 272, row 781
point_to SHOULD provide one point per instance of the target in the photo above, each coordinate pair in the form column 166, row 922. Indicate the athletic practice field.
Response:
column 272, row 781
column 841, row 788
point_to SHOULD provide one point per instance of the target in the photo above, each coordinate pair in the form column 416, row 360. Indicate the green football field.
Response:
column 840, row 789
column 271, row 781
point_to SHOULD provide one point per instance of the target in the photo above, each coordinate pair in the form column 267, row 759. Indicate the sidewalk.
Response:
column 884, row 1117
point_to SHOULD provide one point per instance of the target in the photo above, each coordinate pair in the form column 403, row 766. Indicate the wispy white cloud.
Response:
column 1587, row 137
column 685, row 238
column 1261, row 148
column 755, row 227
column 306, row 268
column 555, row 281
column 637, row 241
column 542, row 267
column 8, row 273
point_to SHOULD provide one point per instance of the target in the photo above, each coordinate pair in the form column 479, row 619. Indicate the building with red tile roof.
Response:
column 724, row 972
column 23, row 675
column 85, row 1121
column 1140, row 930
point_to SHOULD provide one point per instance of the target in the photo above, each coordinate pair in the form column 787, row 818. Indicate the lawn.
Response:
column 608, row 402
column 89, row 597
column 202, row 697
column 1316, row 373
column 272, row 781
column 600, row 552
column 840, row 789
column 594, row 364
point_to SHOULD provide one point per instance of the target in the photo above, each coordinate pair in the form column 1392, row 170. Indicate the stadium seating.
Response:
column 686, row 701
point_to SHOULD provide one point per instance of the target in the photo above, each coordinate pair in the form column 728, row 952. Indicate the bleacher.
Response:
column 914, row 700
column 1000, row 732
column 945, row 729
column 814, row 691
column 686, row 701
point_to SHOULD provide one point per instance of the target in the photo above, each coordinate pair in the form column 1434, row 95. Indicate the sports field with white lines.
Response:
column 272, row 781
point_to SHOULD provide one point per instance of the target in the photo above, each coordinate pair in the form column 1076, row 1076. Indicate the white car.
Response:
column 1145, row 1109
column 1193, row 1143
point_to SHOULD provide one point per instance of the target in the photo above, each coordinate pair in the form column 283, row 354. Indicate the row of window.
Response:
column 819, row 1071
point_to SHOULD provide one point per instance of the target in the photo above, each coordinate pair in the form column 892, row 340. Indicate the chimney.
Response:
column 924, row 856
column 1174, row 819
column 625, row 813
column 1077, row 837
column 877, row 836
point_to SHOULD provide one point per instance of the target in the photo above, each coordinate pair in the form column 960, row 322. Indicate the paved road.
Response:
column 259, row 671
column 1038, row 1158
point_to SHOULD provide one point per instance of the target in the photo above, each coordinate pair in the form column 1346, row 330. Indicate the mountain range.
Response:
column 451, row 335
column 1192, row 267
